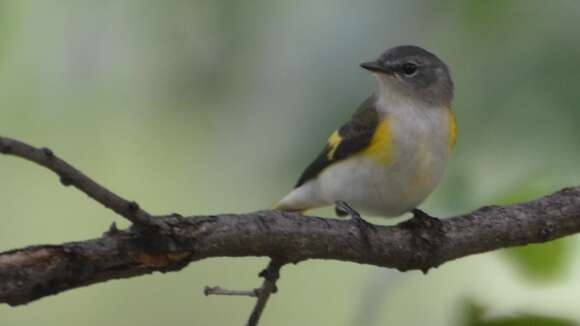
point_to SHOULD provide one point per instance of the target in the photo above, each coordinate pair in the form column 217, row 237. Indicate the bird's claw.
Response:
column 343, row 209
column 422, row 219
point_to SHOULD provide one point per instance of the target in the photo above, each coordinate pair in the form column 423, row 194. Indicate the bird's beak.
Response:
column 375, row 66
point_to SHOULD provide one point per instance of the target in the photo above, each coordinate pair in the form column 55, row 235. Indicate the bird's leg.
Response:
column 341, row 208
column 421, row 218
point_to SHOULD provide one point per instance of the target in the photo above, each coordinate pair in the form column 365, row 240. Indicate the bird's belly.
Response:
column 385, row 190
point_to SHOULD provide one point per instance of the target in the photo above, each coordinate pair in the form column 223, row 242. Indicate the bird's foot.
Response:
column 343, row 209
column 421, row 219
column 428, row 236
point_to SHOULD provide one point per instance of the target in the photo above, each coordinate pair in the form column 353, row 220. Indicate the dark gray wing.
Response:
column 352, row 137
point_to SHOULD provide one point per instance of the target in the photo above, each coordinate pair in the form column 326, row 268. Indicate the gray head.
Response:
column 414, row 72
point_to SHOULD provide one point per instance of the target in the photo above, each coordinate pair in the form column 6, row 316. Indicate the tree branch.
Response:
column 270, row 275
column 35, row 272
column 216, row 290
column 70, row 176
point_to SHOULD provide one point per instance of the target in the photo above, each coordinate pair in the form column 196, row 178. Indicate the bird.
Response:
column 392, row 152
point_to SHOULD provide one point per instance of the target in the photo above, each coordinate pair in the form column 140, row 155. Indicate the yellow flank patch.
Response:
column 380, row 148
column 452, row 130
column 333, row 142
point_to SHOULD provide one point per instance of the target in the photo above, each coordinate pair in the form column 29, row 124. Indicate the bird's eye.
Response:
column 409, row 68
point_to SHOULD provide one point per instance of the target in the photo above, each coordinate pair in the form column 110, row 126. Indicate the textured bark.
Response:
column 169, row 243
column 31, row 273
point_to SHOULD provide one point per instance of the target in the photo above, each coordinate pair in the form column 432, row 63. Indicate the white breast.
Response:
column 419, row 144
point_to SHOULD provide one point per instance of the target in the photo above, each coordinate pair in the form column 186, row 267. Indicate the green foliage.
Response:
column 538, row 262
column 484, row 19
column 8, row 15
column 541, row 262
column 476, row 317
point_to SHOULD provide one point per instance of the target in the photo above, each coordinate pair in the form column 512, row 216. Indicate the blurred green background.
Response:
column 203, row 107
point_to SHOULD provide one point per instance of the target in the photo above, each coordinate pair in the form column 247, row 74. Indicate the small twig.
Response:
column 216, row 290
column 270, row 275
column 71, row 176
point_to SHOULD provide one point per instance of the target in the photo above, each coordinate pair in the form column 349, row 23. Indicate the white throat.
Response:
column 390, row 99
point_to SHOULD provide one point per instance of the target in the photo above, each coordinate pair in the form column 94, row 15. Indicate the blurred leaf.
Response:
column 541, row 262
column 484, row 18
column 531, row 187
column 475, row 317
column 538, row 262
column 8, row 18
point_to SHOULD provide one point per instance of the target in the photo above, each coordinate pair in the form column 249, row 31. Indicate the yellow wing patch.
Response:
column 380, row 148
column 333, row 142
column 452, row 137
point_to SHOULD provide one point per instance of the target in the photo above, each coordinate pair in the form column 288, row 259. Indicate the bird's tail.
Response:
column 282, row 206
column 300, row 199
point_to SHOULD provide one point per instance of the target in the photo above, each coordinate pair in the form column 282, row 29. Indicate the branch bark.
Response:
column 270, row 275
column 70, row 176
column 35, row 272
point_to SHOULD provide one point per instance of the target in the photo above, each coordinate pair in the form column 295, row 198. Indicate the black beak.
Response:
column 374, row 66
